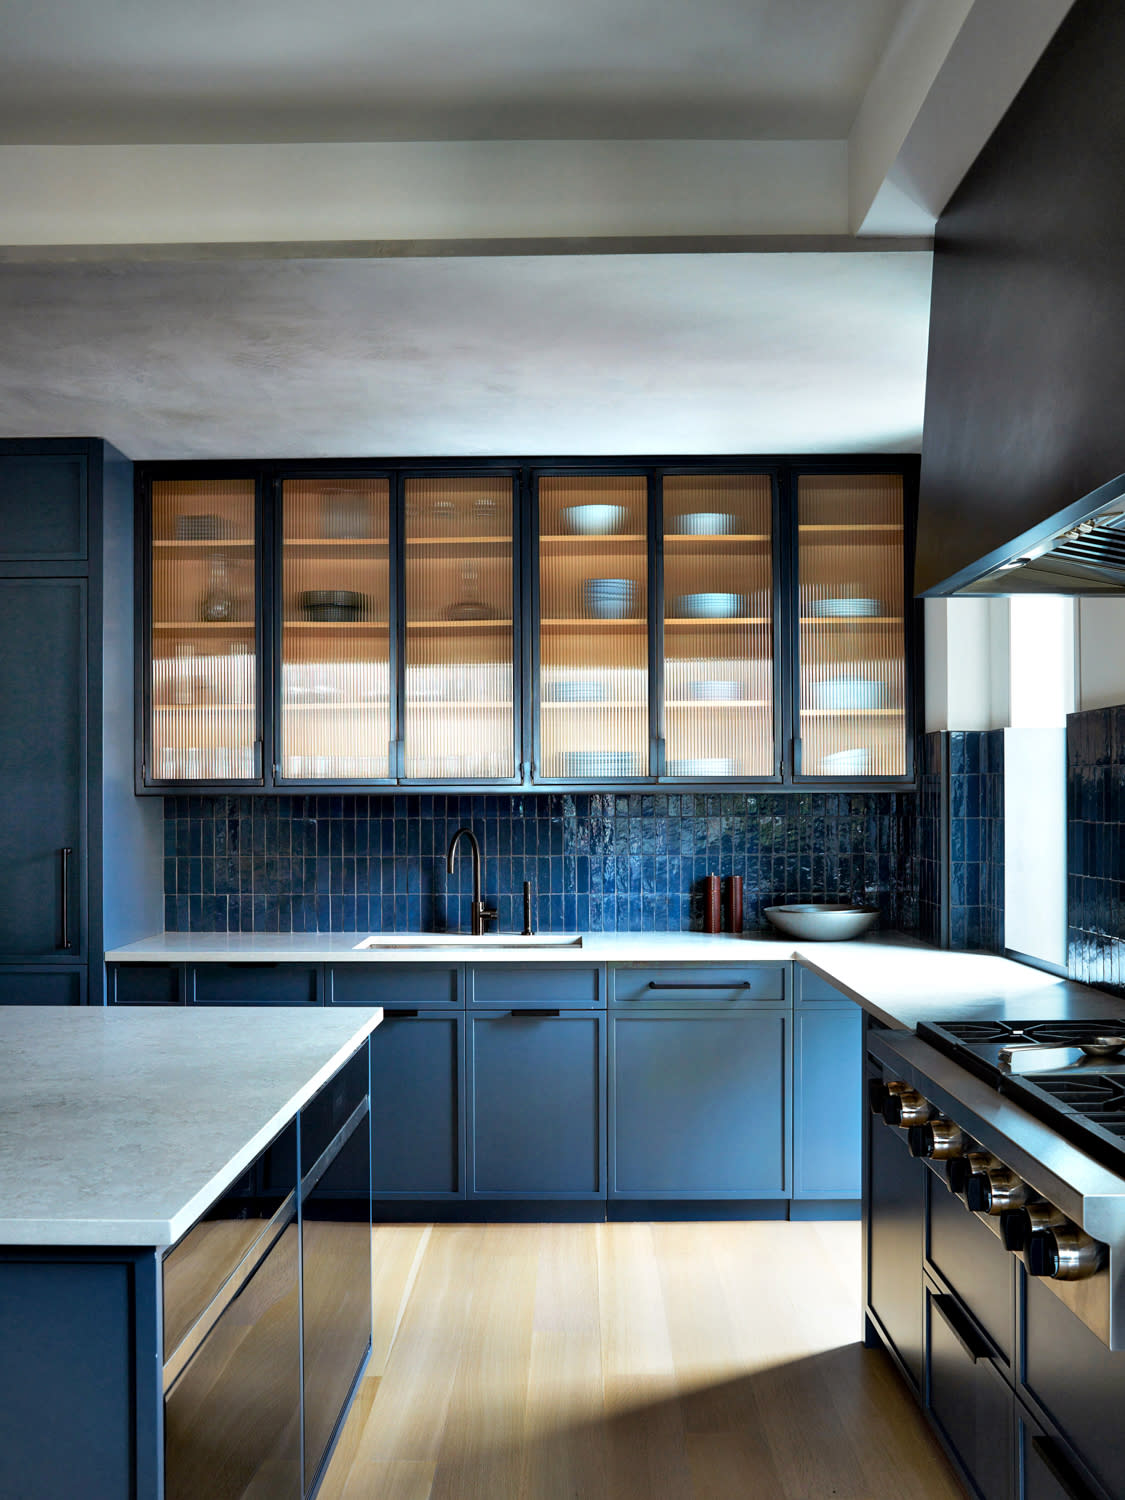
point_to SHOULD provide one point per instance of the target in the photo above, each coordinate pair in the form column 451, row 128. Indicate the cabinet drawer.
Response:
column 253, row 984
column 415, row 985
column 535, row 987
column 810, row 986
column 1078, row 1382
column 42, row 986
column 144, row 984
column 702, row 984
column 969, row 1399
column 973, row 1262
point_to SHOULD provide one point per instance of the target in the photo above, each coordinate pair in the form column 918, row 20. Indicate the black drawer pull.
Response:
column 962, row 1328
column 527, row 1014
column 741, row 984
column 1051, row 1456
column 399, row 1014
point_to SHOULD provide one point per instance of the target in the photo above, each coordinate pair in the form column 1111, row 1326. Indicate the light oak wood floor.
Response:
column 628, row 1362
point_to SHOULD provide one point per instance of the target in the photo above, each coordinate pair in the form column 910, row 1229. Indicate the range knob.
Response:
column 938, row 1139
column 907, row 1108
column 960, row 1171
column 1017, row 1225
column 878, row 1092
column 996, row 1190
column 1064, row 1253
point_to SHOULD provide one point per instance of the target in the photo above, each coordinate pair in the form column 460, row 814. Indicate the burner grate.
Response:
column 1050, row 1033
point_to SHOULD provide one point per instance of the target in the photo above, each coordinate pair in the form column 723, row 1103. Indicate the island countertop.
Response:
column 896, row 978
column 120, row 1127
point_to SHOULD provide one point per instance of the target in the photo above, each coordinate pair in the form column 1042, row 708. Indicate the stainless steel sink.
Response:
column 464, row 940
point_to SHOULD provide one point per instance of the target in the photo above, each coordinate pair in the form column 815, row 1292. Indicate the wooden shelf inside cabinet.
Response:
column 716, row 705
column 852, row 713
column 203, row 708
column 203, row 625
column 861, row 620
column 852, row 526
column 598, row 543
column 200, row 544
column 709, row 622
column 379, row 626
column 582, row 623
column 458, row 541
column 713, row 538
column 458, row 624
column 335, row 541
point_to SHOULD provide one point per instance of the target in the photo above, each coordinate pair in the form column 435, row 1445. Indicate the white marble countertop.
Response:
column 121, row 1126
column 897, row 978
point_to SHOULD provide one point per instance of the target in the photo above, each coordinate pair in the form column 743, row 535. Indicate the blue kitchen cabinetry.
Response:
column 535, row 1096
column 827, row 1095
column 80, row 866
column 506, row 1082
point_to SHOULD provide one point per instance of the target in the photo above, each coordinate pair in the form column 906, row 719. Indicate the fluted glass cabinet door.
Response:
column 718, row 626
column 459, row 706
column 852, row 640
column 593, row 627
column 334, row 718
column 204, row 689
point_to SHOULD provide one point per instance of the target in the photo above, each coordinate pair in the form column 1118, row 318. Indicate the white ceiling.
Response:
column 291, row 70
column 520, row 355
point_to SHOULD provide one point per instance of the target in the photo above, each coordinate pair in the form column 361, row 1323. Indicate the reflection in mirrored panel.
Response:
column 459, row 710
column 718, row 625
column 593, row 626
column 204, row 636
column 335, row 678
column 852, row 630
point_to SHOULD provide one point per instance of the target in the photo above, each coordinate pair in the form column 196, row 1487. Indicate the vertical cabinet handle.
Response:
column 64, row 862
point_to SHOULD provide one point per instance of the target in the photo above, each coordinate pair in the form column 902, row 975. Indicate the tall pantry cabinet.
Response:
column 80, row 855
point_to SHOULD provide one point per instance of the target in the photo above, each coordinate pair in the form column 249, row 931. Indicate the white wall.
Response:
column 966, row 664
column 1101, row 653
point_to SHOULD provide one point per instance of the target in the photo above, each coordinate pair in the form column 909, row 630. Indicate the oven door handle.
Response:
column 1050, row 1455
column 962, row 1329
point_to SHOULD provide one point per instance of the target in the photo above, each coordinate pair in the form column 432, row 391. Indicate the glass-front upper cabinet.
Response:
column 334, row 687
column 851, row 632
column 203, row 700
column 459, row 718
column 718, row 626
column 593, row 627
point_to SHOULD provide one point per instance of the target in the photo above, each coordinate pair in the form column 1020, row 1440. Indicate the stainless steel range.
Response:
column 1026, row 1123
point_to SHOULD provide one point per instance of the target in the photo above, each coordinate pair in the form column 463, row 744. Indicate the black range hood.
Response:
column 1077, row 551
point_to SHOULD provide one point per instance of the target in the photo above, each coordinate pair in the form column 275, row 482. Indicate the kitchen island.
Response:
column 184, row 1310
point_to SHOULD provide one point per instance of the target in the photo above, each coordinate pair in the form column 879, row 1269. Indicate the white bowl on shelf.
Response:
column 844, row 693
column 845, row 762
column 593, row 520
column 710, row 606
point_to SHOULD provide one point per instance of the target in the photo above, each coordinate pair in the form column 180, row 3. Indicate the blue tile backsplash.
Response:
column 961, row 839
column 597, row 863
column 1095, row 755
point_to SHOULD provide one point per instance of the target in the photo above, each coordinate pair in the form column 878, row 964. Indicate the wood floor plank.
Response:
column 630, row 1362
column 396, row 1255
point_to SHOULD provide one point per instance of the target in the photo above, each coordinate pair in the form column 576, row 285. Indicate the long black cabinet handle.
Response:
column 742, row 984
column 64, row 856
column 536, row 1012
column 1050, row 1456
column 959, row 1325
column 399, row 1014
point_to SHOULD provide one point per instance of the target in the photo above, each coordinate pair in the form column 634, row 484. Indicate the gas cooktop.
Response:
column 1080, row 1096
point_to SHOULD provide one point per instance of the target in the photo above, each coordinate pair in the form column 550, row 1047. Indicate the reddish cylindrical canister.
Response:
column 734, row 904
column 712, row 907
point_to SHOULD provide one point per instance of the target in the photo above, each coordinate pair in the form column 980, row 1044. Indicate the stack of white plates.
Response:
column 609, row 598
column 713, row 689
column 578, row 765
column 575, row 690
column 847, row 609
column 844, row 763
column 710, row 606
column 705, row 523
column 594, row 520
column 848, row 693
